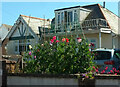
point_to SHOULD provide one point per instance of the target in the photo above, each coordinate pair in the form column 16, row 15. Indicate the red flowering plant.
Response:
column 63, row 56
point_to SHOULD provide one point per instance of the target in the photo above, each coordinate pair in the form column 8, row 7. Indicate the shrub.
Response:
column 65, row 56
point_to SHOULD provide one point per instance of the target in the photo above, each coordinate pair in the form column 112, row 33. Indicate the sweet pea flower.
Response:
column 96, row 70
column 63, row 39
column 79, row 39
column 102, row 71
column 57, row 41
column 52, row 41
column 67, row 40
column 111, row 71
column 106, row 68
column 34, row 57
column 30, row 53
column 54, row 38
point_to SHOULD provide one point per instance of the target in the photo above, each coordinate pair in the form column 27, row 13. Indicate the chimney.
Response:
column 104, row 4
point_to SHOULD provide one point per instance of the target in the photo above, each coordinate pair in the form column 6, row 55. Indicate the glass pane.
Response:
column 102, row 55
column 70, row 17
column 75, row 17
column 117, row 54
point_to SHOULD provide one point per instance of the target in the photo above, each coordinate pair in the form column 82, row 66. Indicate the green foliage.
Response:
column 59, row 58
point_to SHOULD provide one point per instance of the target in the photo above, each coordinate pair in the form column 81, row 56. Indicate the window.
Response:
column 58, row 18
column 75, row 16
column 70, row 17
column 102, row 55
column 21, row 46
column 62, row 17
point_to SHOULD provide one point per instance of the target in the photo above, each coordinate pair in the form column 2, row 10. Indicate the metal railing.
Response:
column 74, row 26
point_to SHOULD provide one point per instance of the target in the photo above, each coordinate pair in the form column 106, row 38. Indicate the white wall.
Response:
column 17, row 80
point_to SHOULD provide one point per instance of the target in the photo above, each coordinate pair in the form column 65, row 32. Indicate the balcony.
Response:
column 76, row 26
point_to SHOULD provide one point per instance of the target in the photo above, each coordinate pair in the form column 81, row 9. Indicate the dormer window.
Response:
column 75, row 16
column 70, row 17
column 58, row 18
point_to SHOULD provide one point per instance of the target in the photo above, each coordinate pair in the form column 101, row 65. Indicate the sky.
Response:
column 10, row 11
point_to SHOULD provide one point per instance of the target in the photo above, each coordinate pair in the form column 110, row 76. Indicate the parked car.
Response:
column 107, row 58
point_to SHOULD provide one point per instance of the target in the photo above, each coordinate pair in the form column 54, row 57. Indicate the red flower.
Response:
column 92, row 44
column 38, row 50
column 67, row 40
column 57, row 41
column 115, row 73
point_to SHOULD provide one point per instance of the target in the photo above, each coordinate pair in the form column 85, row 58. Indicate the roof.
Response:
column 32, row 17
column 4, row 30
column 111, row 18
column 67, row 8
column 7, row 26
column 34, row 22
column 99, row 11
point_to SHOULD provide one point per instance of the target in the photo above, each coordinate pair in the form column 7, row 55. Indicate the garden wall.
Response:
column 14, row 80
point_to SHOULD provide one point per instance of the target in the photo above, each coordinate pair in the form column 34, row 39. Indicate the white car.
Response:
column 107, row 59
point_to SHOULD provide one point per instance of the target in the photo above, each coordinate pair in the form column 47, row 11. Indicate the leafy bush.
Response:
column 65, row 56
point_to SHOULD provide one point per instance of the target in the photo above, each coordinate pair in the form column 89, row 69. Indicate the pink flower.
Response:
column 111, row 71
column 96, row 70
column 30, row 53
column 108, row 73
column 63, row 39
column 86, row 76
column 106, row 68
column 54, row 38
column 93, row 67
column 115, row 73
column 113, row 68
column 52, row 41
column 35, row 57
column 79, row 40
column 57, row 41
column 102, row 71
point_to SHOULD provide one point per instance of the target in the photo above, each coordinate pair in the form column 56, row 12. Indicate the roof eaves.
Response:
column 33, row 17
column 104, row 15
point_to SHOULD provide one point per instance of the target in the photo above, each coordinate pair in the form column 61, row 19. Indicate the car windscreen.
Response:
column 102, row 55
